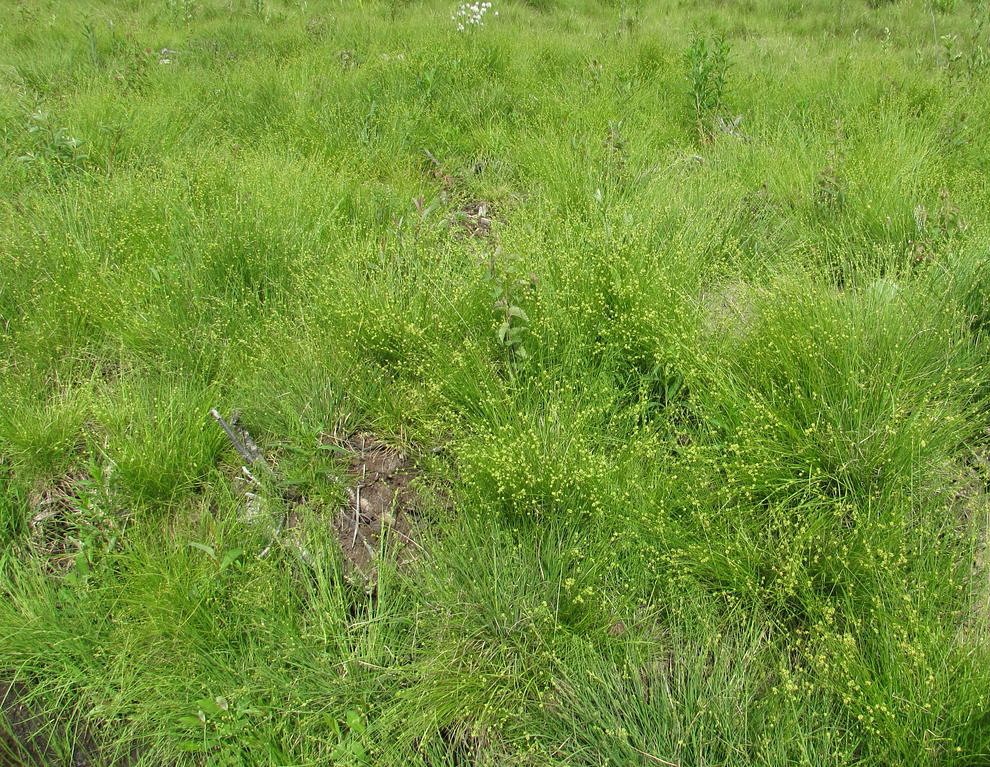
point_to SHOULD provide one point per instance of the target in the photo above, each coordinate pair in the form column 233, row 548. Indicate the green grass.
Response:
column 717, row 493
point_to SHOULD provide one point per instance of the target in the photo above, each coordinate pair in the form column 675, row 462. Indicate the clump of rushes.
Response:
column 728, row 510
column 537, row 469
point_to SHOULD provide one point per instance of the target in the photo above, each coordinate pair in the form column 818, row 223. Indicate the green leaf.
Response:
column 230, row 557
column 354, row 721
column 209, row 707
column 204, row 548
column 516, row 311
column 503, row 331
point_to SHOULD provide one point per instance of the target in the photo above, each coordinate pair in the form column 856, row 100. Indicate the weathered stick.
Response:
column 239, row 446
column 253, row 457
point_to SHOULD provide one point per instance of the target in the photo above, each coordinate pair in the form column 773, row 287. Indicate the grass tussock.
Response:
column 666, row 325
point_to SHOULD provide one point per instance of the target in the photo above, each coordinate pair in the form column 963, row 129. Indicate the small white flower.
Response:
column 471, row 15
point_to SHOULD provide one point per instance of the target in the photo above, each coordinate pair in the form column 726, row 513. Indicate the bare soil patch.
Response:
column 381, row 508
column 28, row 736
column 22, row 739
column 475, row 219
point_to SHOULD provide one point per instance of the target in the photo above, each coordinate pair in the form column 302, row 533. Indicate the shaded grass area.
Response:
column 694, row 383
